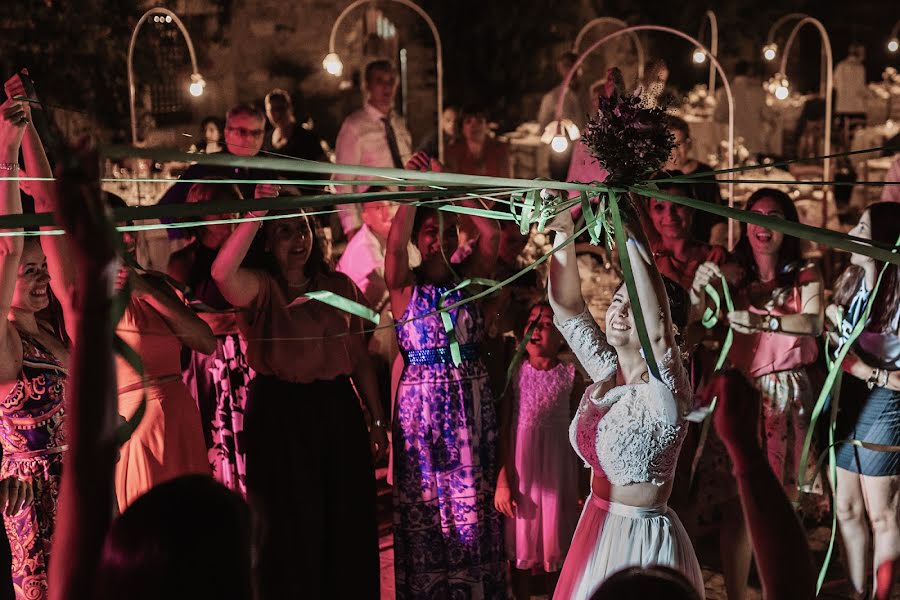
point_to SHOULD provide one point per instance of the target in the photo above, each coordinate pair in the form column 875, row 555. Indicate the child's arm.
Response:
column 504, row 500
column 584, row 475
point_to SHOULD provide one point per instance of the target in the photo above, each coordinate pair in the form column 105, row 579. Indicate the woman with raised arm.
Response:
column 630, row 424
column 779, row 302
column 867, row 501
column 219, row 381
column 448, row 537
column 33, row 358
column 310, row 479
column 168, row 441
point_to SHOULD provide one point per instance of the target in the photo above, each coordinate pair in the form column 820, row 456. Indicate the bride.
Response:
column 629, row 426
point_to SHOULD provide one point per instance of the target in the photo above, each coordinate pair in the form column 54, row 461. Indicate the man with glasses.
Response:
column 245, row 128
column 373, row 136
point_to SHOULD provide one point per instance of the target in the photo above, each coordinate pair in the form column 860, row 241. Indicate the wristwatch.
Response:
column 773, row 323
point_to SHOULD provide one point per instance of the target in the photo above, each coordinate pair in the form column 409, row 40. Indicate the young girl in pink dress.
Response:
column 537, row 488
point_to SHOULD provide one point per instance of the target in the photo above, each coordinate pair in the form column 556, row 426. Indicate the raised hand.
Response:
column 422, row 161
column 13, row 119
column 708, row 273
column 15, row 87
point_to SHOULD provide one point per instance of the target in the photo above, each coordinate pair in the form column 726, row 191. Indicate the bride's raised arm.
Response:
column 570, row 313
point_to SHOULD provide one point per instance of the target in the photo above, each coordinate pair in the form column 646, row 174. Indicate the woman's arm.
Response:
column 507, row 480
column 650, row 288
column 55, row 247
column 863, row 371
column 808, row 322
column 12, row 127
column 184, row 322
column 564, row 282
column 364, row 377
column 240, row 286
column 484, row 256
column 398, row 277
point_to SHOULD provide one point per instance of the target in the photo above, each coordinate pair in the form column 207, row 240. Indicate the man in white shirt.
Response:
column 373, row 136
column 850, row 83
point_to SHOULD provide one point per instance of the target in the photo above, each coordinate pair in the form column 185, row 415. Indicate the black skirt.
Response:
column 311, row 485
column 869, row 416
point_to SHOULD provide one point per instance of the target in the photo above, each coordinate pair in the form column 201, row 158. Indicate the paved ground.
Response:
column 836, row 587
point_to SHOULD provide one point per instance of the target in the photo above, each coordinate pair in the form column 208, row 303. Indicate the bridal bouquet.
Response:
column 627, row 138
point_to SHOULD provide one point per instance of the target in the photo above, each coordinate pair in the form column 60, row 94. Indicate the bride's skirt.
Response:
column 612, row 536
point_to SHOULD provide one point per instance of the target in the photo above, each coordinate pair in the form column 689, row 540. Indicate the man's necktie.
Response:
column 392, row 142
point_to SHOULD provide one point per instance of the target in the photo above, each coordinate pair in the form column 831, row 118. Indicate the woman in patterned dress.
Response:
column 448, row 537
column 32, row 357
column 218, row 381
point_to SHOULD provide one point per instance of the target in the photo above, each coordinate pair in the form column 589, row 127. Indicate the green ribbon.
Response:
column 447, row 317
column 345, row 304
column 711, row 317
column 831, row 387
column 634, row 299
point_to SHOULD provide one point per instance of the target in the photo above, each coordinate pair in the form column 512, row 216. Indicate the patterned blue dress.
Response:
column 448, row 538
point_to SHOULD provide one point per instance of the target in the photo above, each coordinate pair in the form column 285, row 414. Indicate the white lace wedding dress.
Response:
column 627, row 434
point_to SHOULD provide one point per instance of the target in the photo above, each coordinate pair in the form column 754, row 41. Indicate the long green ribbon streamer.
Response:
column 634, row 299
column 447, row 317
column 711, row 317
column 344, row 304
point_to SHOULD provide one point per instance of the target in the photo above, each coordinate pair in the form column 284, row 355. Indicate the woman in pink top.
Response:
column 780, row 312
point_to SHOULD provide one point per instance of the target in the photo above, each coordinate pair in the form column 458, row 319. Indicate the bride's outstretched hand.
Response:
column 562, row 222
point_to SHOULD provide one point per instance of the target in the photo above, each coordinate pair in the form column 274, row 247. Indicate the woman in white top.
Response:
column 629, row 426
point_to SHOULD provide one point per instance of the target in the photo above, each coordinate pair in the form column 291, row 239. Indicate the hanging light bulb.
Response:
column 333, row 64
column 893, row 45
column 782, row 90
column 699, row 57
column 559, row 144
column 770, row 51
column 197, row 85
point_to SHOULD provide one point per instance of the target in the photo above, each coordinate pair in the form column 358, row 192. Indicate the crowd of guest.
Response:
column 242, row 419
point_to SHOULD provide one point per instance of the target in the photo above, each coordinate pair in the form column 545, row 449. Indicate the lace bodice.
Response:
column 629, row 433
column 542, row 397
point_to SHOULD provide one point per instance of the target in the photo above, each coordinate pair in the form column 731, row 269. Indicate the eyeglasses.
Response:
column 245, row 133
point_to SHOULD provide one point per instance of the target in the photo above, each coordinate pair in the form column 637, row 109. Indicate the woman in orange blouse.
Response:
column 310, row 479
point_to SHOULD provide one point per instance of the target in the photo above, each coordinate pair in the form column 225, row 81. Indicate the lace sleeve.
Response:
column 589, row 345
column 673, row 395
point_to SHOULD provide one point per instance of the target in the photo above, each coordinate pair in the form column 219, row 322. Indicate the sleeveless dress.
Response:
column 627, row 434
column 777, row 365
column 168, row 442
column 33, row 440
column 219, row 381
column 448, row 538
column 546, row 469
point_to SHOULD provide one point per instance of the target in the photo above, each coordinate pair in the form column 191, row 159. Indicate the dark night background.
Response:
column 495, row 51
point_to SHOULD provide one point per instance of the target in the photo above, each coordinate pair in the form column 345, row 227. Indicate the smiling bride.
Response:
column 629, row 426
